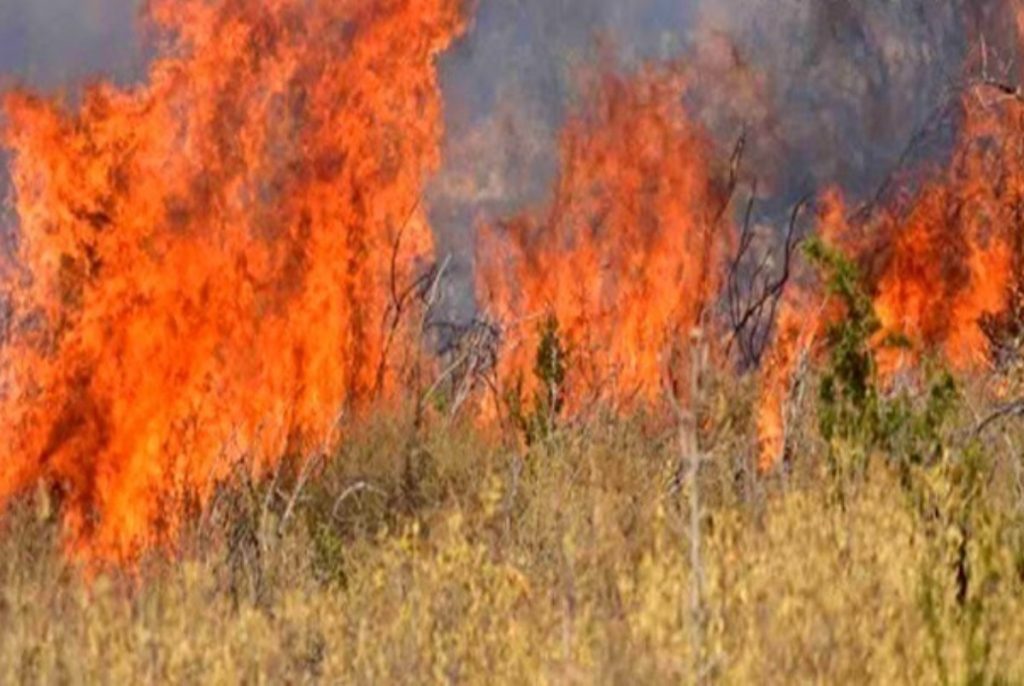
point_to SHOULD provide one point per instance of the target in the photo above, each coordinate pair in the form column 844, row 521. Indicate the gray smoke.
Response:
column 52, row 44
column 829, row 92
column 847, row 85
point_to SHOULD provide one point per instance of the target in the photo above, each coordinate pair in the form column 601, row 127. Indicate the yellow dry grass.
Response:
column 453, row 558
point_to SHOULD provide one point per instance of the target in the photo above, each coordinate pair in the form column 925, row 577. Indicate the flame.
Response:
column 625, row 254
column 204, row 263
column 794, row 338
column 937, row 263
column 953, row 253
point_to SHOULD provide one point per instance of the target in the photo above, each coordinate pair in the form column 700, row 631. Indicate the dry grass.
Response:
column 443, row 557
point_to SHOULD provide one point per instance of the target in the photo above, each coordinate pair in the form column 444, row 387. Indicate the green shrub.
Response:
column 539, row 420
column 856, row 416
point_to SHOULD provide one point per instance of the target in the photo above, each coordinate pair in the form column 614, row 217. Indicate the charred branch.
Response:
column 752, row 310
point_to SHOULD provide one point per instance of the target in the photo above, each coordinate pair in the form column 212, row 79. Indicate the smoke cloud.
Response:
column 828, row 93
column 57, row 43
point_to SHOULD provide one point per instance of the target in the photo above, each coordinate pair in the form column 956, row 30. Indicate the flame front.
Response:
column 206, row 267
column 204, row 264
column 625, row 257
column 938, row 264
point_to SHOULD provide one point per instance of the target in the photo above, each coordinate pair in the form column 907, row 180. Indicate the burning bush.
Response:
column 626, row 255
column 205, row 264
column 940, row 265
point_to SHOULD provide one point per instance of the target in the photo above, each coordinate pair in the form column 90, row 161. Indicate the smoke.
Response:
column 58, row 43
column 845, row 87
column 837, row 93
column 829, row 92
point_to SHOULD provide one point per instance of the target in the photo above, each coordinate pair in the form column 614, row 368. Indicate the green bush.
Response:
column 539, row 419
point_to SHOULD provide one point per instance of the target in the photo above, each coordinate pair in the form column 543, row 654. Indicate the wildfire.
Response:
column 625, row 255
column 205, row 264
column 206, row 268
column 938, row 264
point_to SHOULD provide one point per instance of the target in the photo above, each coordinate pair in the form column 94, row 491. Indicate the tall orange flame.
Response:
column 205, row 263
column 625, row 256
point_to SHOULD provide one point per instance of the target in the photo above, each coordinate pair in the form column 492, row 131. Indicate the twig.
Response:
column 399, row 300
column 1015, row 408
column 354, row 489
column 749, row 325
column 304, row 474
column 691, row 458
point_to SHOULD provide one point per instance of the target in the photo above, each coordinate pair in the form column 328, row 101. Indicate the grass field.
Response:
column 445, row 554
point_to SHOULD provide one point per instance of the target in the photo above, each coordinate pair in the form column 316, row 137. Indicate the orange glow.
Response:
column 951, row 254
column 797, row 324
column 626, row 254
column 205, row 263
column 937, row 263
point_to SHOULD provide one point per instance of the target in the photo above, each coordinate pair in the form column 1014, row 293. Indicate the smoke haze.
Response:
column 55, row 43
column 827, row 92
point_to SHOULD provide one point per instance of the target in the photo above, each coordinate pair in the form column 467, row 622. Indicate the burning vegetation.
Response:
column 325, row 355
column 205, row 267
column 941, row 265
column 626, row 256
column 211, row 273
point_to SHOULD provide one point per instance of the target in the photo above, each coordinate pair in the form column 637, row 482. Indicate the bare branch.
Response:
column 1014, row 409
column 356, row 488
column 751, row 322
